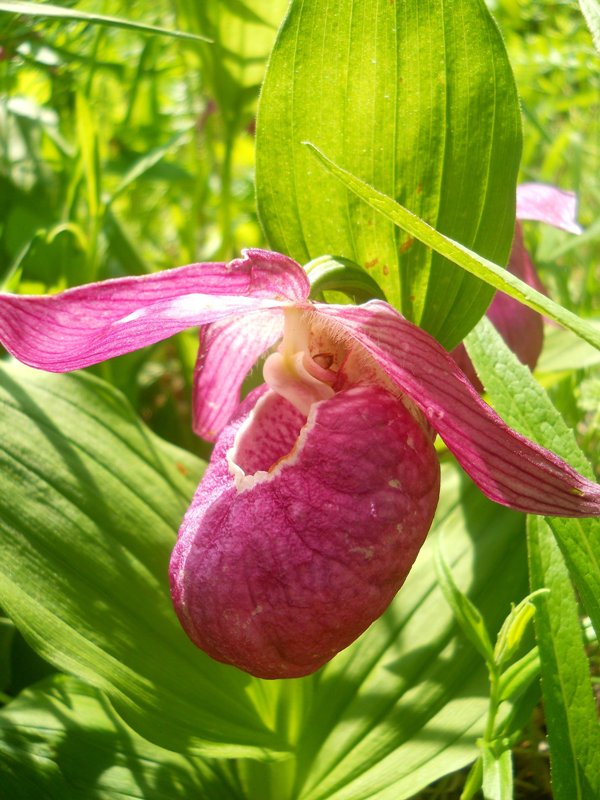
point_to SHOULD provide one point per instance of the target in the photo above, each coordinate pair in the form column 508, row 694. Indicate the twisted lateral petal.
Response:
column 506, row 466
column 301, row 532
column 228, row 350
column 88, row 324
column 544, row 203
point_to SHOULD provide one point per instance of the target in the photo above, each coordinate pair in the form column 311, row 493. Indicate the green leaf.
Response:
column 591, row 11
column 474, row 780
column 63, row 13
column 563, row 351
column 573, row 726
column 517, row 678
column 90, row 503
column 524, row 405
column 497, row 775
column 467, row 615
column 62, row 739
column 417, row 99
column 571, row 717
column 470, row 261
column 88, row 148
column 7, row 632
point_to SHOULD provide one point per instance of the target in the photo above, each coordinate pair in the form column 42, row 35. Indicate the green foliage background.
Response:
column 127, row 152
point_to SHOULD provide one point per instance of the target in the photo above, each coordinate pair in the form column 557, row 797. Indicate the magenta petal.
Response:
column 544, row 203
column 521, row 328
column 228, row 350
column 283, row 570
column 91, row 323
column 506, row 466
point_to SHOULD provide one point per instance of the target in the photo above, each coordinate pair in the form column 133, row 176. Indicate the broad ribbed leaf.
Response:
column 571, row 717
column 526, row 406
column 415, row 98
column 62, row 740
column 90, row 503
column 572, row 721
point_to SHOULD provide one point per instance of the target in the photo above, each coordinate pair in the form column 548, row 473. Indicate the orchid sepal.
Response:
column 89, row 324
column 549, row 204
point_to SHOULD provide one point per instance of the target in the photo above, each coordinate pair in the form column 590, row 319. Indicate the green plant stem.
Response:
column 494, row 705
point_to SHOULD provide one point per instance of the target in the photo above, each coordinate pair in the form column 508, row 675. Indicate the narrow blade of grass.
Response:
column 72, row 14
column 486, row 270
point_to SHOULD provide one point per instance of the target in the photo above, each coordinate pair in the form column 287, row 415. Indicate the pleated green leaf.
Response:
column 571, row 717
column 417, row 99
column 522, row 402
column 90, row 504
column 573, row 727
column 61, row 740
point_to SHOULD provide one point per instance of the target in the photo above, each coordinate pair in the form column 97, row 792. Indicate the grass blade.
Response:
column 486, row 270
column 74, row 15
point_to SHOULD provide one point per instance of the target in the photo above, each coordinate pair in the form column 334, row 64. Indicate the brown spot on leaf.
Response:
column 405, row 246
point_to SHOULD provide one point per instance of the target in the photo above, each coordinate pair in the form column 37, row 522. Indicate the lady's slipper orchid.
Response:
column 522, row 328
column 324, row 481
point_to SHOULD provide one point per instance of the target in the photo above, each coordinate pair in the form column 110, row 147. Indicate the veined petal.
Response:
column 521, row 327
column 545, row 203
column 88, row 324
column 228, row 350
column 272, row 275
column 521, row 265
column 302, row 531
column 506, row 466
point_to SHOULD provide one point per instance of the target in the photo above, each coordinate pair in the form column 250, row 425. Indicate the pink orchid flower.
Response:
column 323, row 483
column 522, row 328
